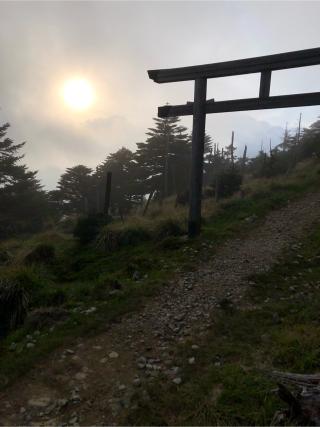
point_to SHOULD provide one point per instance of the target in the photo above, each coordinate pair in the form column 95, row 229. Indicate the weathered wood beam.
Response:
column 198, row 133
column 280, row 61
column 283, row 101
column 265, row 83
column 107, row 194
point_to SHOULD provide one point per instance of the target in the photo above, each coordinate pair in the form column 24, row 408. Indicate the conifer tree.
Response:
column 75, row 188
column 23, row 203
column 164, row 159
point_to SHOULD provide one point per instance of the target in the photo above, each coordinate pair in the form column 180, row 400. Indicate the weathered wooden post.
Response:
column 145, row 210
column 198, row 132
column 232, row 150
column 107, row 193
column 244, row 158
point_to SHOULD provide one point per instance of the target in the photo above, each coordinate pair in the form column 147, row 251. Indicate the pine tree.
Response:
column 164, row 159
column 75, row 187
column 310, row 141
column 24, row 205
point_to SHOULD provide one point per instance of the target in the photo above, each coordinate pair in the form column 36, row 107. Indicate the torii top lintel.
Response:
column 262, row 64
column 280, row 61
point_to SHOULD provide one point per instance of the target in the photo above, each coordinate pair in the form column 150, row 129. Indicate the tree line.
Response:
column 160, row 167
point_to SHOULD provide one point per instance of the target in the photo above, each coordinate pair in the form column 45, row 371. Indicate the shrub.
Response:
column 54, row 297
column 168, row 227
column 171, row 243
column 88, row 228
column 42, row 254
column 229, row 182
column 133, row 236
column 35, row 280
column 14, row 301
column 46, row 317
column 113, row 239
column 5, row 257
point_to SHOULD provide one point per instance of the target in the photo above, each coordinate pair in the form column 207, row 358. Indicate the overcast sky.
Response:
column 113, row 44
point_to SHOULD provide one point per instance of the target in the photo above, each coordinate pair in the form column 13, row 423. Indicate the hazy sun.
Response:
column 78, row 94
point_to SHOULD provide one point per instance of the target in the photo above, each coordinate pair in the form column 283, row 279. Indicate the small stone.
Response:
column 122, row 387
column 97, row 347
column 177, row 380
column 75, row 396
column 180, row 317
column 80, row 376
column 29, row 337
column 22, row 410
column 36, row 333
column 136, row 275
column 141, row 365
column 191, row 360
column 62, row 402
column 30, row 345
column 90, row 310
column 276, row 318
column 195, row 347
column 74, row 420
column 42, row 402
column 103, row 360
column 68, row 351
column 136, row 382
column 113, row 355
column 13, row 346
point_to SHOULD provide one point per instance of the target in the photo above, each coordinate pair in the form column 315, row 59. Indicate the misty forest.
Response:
column 173, row 283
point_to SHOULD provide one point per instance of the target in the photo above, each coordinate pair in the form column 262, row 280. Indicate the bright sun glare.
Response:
column 78, row 94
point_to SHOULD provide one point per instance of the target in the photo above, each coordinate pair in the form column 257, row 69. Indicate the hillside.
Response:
column 169, row 331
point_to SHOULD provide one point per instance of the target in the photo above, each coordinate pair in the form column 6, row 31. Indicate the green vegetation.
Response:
column 77, row 289
column 229, row 384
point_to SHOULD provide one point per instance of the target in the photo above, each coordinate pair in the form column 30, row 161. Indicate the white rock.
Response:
column 42, row 402
column 97, row 347
column 113, row 355
column 177, row 380
column 13, row 346
column 80, row 376
column 136, row 382
column 191, row 360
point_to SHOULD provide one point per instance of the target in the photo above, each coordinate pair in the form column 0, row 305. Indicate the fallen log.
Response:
column 303, row 399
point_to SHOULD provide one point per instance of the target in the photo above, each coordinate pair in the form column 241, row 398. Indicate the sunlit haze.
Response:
column 98, row 54
column 78, row 94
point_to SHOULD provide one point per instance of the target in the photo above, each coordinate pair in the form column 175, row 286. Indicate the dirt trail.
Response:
column 93, row 381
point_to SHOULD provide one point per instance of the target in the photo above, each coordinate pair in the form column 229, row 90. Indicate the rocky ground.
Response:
column 93, row 381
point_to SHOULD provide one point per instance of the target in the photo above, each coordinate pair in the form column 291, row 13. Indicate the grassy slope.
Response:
column 83, row 277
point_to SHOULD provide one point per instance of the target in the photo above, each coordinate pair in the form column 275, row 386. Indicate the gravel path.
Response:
column 93, row 381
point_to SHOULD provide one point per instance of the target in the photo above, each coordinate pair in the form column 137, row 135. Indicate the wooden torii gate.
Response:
column 201, row 106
